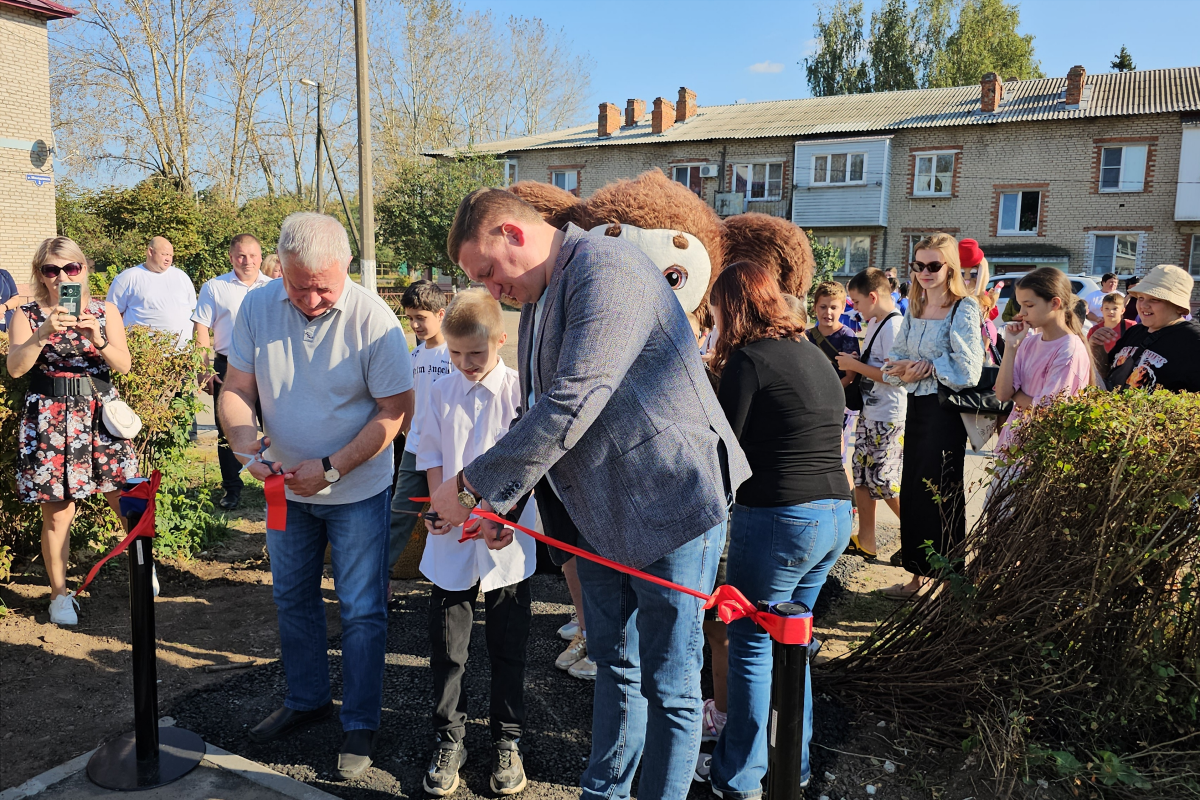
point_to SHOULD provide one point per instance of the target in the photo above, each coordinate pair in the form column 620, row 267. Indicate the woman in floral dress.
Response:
column 64, row 451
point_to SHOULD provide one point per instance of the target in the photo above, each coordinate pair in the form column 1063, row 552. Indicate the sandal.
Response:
column 855, row 549
column 900, row 592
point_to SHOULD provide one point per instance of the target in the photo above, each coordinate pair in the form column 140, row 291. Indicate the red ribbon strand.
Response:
column 147, row 491
column 276, row 503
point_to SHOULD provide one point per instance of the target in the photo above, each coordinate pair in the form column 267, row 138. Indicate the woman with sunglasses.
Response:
column 938, row 343
column 64, row 451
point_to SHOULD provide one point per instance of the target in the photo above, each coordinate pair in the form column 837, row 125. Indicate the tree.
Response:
column 985, row 40
column 827, row 261
column 838, row 67
column 892, row 51
column 1123, row 62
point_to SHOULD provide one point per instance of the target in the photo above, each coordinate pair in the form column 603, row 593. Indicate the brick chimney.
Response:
column 1075, row 78
column 663, row 115
column 634, row 111
column 686, row 109
column 609, row 120
column 992, row 93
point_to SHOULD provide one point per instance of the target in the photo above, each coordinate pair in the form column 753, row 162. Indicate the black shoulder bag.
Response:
column 981, row 398
column 854, row 398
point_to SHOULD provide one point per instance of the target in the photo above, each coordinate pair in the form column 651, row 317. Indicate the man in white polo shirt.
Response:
column 155, row 293
column 329, row 363
column 217, row 308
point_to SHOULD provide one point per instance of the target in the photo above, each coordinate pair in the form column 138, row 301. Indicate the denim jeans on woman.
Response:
column 648, row 646
column 358, row 536
column 775, row 554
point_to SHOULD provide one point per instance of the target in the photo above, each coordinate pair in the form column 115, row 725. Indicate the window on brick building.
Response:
column 855, row 250
column 1123, row 169
column 759, row 181
column 510, row 172
column 1019, row 213
column 836, row 169
column 1194, row 262
column 566, row 179
column 1115, row 252
column 688, row 175
column 934, row 174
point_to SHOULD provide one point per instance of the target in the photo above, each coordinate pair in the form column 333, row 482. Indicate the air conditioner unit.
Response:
column 710, row 171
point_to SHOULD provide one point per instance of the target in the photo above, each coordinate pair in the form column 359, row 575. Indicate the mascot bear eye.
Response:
column 676, row 276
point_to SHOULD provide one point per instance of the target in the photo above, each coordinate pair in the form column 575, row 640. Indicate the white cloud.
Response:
column 766, row 66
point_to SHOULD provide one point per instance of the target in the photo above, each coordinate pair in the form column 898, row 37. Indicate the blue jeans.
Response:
column 358, row 534
column 648, row 646
column 775, row 554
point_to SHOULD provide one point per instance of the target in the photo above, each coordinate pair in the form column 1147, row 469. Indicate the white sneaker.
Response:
column 703, row 772
column 571, row 629
column 576, row 651
column 62, row 609
column 584, row 669
column 712, row 722
column 154, row 579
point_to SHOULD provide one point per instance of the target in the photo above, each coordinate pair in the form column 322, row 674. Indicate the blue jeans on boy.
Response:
column 358, row 535
column 648, row 646
column 775, row 554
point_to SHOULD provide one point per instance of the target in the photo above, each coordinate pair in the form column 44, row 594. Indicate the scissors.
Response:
column 428, row 516
column 271, row 465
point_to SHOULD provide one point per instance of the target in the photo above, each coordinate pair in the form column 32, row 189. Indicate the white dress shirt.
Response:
column 218, row 304
column 462, row 420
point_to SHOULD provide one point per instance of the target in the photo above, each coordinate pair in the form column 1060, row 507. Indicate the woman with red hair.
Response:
column 791, row 519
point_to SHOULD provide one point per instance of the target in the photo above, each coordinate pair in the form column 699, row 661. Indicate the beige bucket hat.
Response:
column 1166, row 282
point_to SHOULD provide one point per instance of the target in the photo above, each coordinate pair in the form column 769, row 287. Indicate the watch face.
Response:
column 466, row 499
column 332, row 475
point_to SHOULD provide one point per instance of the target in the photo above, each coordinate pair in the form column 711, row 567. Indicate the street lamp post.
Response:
column 320, row 142
column 366, row 201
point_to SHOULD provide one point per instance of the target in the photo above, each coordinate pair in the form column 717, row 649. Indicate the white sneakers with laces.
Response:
column 570, row 630
column 62, row 609
column 713, row 722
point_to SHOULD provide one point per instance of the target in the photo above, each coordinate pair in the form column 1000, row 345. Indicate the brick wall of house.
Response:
column 26, row 209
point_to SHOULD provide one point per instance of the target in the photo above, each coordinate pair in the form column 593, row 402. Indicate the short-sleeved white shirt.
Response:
column 462, row 420
column 218, row 304
column 318, row 379
column 429, row 364
column 160, row 300
column 882, row 402
column 1095, row 301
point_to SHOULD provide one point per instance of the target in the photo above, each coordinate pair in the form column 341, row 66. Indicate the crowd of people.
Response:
column 750, row 451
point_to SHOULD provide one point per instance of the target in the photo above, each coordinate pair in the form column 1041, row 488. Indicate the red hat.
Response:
column 969, row 254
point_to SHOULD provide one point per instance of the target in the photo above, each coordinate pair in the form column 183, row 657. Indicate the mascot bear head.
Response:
column 680, row 233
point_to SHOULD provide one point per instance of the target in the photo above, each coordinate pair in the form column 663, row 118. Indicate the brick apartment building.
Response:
column 1087, row 173
column 26, row 139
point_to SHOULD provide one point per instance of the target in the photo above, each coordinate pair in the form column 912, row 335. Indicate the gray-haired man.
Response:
column 329, row 363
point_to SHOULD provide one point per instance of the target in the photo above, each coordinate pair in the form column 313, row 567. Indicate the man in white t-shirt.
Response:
column 1095, row 300
column 217, row 308
column 155, row 293
column 424, row 305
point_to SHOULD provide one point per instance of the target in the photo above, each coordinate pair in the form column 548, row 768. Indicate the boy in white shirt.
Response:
column 879, row 432
column 466, row 413
column 425, row 306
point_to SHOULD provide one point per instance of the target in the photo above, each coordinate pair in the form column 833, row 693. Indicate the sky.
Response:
column 747, row 50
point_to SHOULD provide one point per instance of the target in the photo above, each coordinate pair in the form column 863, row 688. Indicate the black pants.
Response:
column 935, row 445
column 509, row 614
column 231, row 468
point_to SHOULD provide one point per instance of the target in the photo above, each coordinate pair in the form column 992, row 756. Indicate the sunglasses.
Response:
column 72, row 269
column 931, row 267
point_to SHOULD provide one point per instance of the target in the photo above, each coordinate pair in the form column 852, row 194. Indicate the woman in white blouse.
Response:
column 938, row 342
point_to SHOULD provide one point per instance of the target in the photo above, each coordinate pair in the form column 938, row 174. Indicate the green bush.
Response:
column 161, row 389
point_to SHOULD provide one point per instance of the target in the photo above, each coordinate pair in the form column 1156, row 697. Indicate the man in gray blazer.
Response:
column 630, row 451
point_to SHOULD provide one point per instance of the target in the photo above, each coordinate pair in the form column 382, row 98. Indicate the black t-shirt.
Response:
column 785, row 406
column 1169, row 358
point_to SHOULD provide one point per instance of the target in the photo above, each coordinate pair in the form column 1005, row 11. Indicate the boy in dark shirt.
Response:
column 834, row 338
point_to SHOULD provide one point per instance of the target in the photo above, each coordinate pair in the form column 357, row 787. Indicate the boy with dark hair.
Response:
column 424, row 305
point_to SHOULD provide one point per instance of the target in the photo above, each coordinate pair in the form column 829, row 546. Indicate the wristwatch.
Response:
column 466, row 498
column 331, row 474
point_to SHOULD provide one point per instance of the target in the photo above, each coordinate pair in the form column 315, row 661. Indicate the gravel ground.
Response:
column 555, row 746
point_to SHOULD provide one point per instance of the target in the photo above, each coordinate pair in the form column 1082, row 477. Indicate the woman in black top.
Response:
column 791, row 519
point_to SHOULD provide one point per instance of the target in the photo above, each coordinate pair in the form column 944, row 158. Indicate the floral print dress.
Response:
column 65, row 451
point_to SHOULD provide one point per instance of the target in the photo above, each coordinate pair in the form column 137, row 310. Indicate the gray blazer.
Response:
column 626, row 422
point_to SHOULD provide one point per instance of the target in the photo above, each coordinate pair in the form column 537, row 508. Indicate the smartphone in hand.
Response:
column 70, row 297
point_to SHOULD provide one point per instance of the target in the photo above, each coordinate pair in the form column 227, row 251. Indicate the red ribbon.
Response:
column 730, row 603
column 147, row 490
column 276, row 502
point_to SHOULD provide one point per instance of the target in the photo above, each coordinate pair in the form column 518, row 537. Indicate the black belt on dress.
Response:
column 43, row 384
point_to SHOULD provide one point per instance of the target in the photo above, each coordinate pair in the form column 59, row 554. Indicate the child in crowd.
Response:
column 835, row 338
column 1038, row 366
column 466, row 412
column 424, row 305
column 902, row 303
column 1112, row 311
column 879, row 432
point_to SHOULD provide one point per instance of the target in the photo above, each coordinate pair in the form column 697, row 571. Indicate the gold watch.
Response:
column 466, row 498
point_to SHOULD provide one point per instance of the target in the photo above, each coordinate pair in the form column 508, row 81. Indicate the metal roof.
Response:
column 45, row 8
column 1105, row 95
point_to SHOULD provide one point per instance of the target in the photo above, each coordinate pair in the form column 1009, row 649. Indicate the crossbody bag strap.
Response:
column 824, row 343
column 867, row 353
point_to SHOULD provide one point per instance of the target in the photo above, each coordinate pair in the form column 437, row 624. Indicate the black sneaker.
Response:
column 230, row 500
column 508, row 773
column 442, row 777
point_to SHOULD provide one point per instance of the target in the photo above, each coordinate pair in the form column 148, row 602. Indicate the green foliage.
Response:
column 1122, row 61
column 838, row 66
column 827, row 260
column 986, row 40
column 893, row 59
column 416, row 210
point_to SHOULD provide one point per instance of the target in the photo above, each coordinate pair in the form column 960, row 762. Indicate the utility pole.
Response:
column 320, row 142
column 366, row 200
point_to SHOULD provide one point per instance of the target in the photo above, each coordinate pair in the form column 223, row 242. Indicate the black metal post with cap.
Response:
column 785, row 725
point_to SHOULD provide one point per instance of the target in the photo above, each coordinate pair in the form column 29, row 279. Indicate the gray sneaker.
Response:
column 508, row 773
column 442, row 777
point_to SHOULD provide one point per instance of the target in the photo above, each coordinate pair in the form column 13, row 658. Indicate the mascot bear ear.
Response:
column 557, row 206
column 775, row 244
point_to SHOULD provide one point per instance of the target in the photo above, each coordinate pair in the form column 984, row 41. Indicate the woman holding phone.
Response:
column 64, row 451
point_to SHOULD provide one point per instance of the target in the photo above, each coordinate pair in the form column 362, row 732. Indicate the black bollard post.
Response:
column 785, row 727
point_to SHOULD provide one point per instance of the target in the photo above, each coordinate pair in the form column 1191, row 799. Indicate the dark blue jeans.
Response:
column 775, row 554
column 648, row 647
column 358, row 535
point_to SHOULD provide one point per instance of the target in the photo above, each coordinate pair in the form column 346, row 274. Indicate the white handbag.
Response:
column 121, row 420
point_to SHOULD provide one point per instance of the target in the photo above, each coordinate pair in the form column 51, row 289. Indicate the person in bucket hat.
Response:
column 1159, row 353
